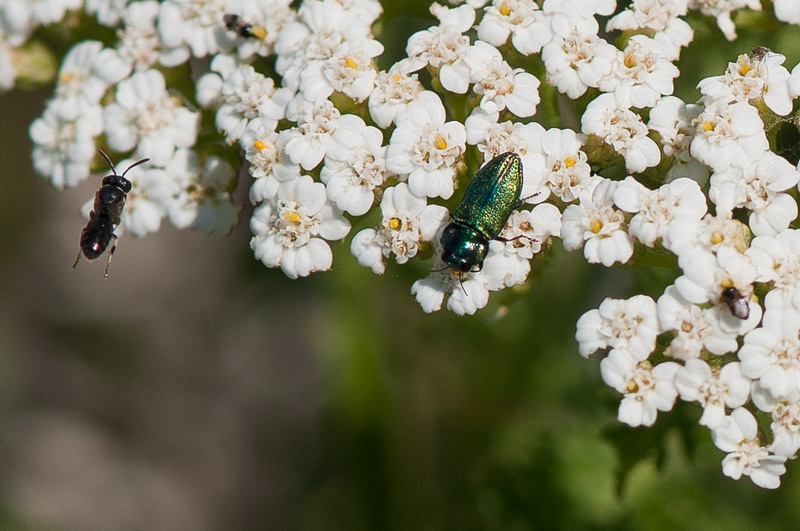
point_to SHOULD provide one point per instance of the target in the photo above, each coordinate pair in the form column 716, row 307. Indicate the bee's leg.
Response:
column 111, row 253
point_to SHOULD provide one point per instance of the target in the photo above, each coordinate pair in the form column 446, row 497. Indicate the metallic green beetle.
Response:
column 482, row 213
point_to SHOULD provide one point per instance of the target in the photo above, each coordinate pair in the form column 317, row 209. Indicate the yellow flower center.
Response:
column 596, row 226
column 569, row 162
column 259, row 145
column 395, row 223
column 291, row 216
column 630, row 61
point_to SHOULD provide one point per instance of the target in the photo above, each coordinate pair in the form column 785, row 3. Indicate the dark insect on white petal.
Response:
column 738, row 303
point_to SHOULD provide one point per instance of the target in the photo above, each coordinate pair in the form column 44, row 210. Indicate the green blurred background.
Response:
column 195, row 389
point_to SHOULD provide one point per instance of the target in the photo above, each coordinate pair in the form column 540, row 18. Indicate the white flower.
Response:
column 151, row 190
column 737, row 435
column 290, row 229
column 354, row 167
column 696, row 329
column 468, row 293
column 407, row 221
column 729, row 135
column 267, row 15
column 146, row 117
column 393, row 91
column 443, row 47
column 597, row 226
column 79, row 79
column 349, row 70
column 204, row 201
column 630, row 325
column 196, row 24
column 579, row 8
column 787, row 11
column 426, row 148
column 721, row 10
column 208, row 89
column 321, row 28
column 711, row 232
column 760, row 77
column 659, row 17
column 21, row 17
column 623, row 130
column 139, row 41
column 781, row 313
column 577, row 58
column 268, row 164
column 306, row 144
column 773, row 357
column 673, row 119
column 109, row 12
column 63, row 139
column 565, row 169
column 714, row 390
column 528, row 26
column 641, row 74
column 646, row 389
column 777, row 260
column 499, row 85
column 8, row 72
column 245, row 94
column 509, row 259
column 706, row 275
column 757, row 187
column 657, row 210
column 785, row 424
column 785, row 429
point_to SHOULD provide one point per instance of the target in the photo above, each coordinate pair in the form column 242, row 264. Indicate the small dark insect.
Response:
column 104, row 217
column 243, row 29
column 737, row 302
column 760, row 52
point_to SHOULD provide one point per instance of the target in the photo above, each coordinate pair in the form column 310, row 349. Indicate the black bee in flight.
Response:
column 105, row 215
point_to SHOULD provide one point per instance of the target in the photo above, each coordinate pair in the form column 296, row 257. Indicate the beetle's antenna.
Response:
column 460, row 276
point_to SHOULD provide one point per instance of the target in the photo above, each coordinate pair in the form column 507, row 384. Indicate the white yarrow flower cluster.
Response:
column 330, row 133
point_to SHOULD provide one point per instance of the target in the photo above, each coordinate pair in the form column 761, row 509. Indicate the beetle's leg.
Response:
column 506, row 240
column 524, row 200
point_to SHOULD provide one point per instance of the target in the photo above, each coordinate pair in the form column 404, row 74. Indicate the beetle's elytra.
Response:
column 482, row 213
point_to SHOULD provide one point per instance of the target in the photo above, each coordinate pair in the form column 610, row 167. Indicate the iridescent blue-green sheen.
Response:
column 482, row 213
